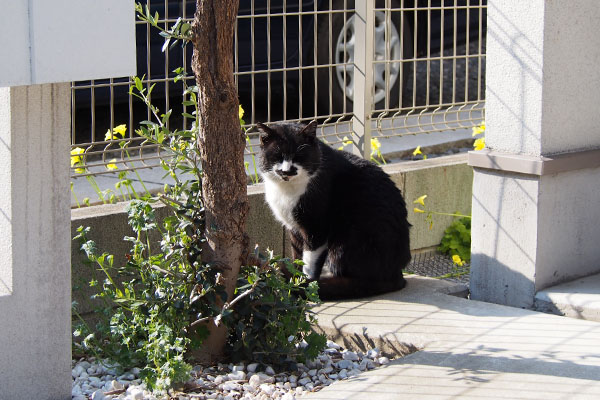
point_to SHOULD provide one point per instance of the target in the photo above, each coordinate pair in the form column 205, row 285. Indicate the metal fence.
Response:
column 415, row 66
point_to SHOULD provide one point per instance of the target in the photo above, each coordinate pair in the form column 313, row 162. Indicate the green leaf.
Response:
column 166, row 44
column 138, row 84
column 185, row 28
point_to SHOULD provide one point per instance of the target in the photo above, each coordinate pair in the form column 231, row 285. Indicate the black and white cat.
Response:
column 338, row 208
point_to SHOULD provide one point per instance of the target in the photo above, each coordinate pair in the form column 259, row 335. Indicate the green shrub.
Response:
column 273, row 324
column 156, row 298
column 457, row 239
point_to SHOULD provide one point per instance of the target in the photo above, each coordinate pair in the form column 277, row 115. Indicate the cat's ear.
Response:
column 310, row 130
column 266, row 134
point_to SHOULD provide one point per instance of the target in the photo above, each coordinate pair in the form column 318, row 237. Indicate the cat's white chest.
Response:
column 283, row 197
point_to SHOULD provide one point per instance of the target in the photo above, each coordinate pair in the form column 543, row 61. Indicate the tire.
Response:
column 341, row 86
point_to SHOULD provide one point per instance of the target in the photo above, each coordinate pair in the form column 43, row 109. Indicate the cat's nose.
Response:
column 287, row 173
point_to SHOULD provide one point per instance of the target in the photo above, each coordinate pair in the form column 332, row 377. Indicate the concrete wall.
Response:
column 446, row 180
column 35, row 295
column 65, row 40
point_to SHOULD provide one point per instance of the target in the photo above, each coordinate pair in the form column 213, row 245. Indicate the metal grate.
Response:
column 296, row 61
column 436, row 265
column 440, row 81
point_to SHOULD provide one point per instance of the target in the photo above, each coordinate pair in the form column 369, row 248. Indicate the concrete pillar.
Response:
column 35, row 274
column 536, row 189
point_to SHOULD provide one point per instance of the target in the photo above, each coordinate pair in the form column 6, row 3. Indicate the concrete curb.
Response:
column 576, row 299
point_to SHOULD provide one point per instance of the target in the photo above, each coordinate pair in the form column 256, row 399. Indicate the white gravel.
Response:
column 92, row 380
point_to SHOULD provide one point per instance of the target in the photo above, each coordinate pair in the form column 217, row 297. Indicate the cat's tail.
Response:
column 339, row 287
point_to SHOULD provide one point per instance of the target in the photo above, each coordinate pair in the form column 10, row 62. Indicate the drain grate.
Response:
column 436, row 265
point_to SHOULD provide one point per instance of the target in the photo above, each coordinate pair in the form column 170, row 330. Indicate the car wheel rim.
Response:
column 344, row 57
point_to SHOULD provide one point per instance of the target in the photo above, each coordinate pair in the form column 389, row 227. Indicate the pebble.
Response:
column 350, row 355
column 228, row 386
column 265, row 378
column 254, row 381
column 374, row 353
column 252, row 367
column 236, row 368
column 344, row 364
column 333, row 345
column 383, row 360
column 267, row 389
column 91, row 380
column 237, row 376
column 135, row 394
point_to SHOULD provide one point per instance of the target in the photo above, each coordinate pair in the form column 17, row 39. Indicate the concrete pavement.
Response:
column 464, row 349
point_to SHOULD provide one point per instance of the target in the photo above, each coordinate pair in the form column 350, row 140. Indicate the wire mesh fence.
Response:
column 296, row 61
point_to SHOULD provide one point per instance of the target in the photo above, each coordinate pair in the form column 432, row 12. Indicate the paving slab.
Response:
column 462, row 348
column 577, row 299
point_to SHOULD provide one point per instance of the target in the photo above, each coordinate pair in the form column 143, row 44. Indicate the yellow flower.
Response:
column 112, row 165
column 479, row 144
column 477, row 130
column 375, row 145
column 417, row 151
column 179, row 146
column 241, row 112
column 421, row 200
column 75, row 155
column 117, row 130
column 418, row 210
column 457, row 260
column 346, row 142
column 121, row 129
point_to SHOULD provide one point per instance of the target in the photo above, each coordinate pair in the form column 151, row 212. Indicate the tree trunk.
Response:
column 222, row 144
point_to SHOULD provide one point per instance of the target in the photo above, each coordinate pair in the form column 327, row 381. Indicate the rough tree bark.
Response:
column 222, row 144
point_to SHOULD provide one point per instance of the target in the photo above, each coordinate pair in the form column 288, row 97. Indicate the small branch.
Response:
column 169, row 201
column 199, row 321
column 226, row 306
column 164, row 271
column 241, row 296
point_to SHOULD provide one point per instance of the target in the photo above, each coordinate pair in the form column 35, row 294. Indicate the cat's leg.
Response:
column 297, row 243
column 314, row 257
column 311, row 250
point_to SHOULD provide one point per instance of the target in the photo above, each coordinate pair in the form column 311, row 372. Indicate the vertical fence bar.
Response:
column 363, row 78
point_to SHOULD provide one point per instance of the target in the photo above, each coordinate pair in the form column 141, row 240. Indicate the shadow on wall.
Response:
column 494, row 282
